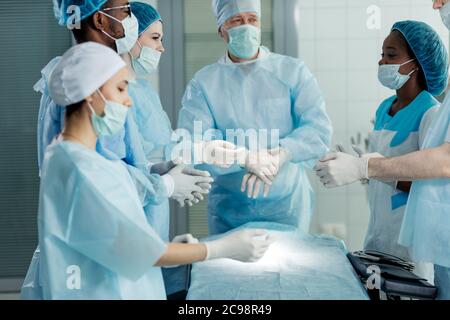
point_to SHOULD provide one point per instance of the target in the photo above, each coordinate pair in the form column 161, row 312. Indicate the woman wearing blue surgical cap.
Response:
column 154, row 126
column 95, row 242
column 414, row 63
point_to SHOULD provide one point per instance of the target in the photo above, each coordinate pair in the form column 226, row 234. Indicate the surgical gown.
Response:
column 426, row 226
column 155, row 133
column 95, row 242
column 272, row 93
column 125, row 145
column 392, row 137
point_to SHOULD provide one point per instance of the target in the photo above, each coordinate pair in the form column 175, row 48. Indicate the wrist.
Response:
column 169, row 183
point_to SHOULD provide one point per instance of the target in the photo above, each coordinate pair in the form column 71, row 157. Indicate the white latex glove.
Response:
column 244, row 246
column 252, row 184
column 186, row 184
column 185, row 238
column 262, row 164
column 219, row 153
column 205, row 186
column 282, row 156
column 340, row 169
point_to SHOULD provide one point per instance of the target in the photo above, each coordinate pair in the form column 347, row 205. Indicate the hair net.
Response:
column 82, row 70
column 146, row 15
column 63, row 10
column 429, row 51
column 225, row 9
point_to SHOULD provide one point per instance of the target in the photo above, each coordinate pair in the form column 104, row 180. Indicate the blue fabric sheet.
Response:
column 296, row 267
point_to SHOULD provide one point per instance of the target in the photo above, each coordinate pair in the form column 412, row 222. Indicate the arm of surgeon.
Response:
column 182, row 254
column 421, row 165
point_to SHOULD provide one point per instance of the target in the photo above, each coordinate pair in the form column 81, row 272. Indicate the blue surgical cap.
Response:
column 429, row 51
column 64, row 12
column 225, row 9
column 146, row 15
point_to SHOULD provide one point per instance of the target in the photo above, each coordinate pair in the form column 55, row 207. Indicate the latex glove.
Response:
column 282, row 156
column 205, row 186
column 262, row 164
column 252, row 184
column 219, row 153
column 339, row 169
column 186, row 184
column 244, row 246
column 185, row 238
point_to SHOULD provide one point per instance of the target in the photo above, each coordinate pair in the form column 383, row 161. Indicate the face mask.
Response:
column 390, row 77
column 147, row 63
column 112, row 122
column 131, row 28
column 445, row 14
column 245, row 41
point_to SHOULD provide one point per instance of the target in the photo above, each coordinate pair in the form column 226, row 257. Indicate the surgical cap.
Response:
column 146, row 15
column 225, row 9
column 429, row 51
column 82, row 70
column 64, row 11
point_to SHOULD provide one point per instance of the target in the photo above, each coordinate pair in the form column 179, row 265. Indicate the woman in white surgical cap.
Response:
column 94, row 237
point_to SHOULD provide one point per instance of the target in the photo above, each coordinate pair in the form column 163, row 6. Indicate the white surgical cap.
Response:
column 225, row 9
column 82, row 70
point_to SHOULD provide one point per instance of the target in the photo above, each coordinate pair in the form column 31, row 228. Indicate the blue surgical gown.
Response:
column 125, row 145
column 154, row 133
column 274, row 92
column 426, row 226
column 394, row 136
column 94, row 239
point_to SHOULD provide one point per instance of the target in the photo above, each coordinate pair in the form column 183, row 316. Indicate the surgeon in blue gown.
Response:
column 95, row 241
column 253, row 88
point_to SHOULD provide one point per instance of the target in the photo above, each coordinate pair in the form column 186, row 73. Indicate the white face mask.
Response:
column 113, row 120
column 147, row 62
column 445, row 14
column 390, row 77
column 131, row 28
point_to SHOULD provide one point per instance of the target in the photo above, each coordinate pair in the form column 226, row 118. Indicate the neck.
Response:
column 406, row 95
column 239, row 60
column 79, row 129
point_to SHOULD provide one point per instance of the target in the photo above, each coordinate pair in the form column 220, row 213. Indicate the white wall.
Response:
column 343, row 54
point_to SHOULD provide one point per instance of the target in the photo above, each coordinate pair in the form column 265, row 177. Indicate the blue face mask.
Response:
column 115, row 116
column 245, row 41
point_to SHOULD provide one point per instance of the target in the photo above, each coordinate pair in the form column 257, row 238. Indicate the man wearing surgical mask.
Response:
column 251, row 88
column 426, row 225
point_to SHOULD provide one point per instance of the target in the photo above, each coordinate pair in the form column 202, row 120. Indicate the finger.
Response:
column 257, row 189
column 329, row 157
column 358, row 150
column 251, row 184
column 195, row 172
column 205, row 186
column 244, row 182
column 321, row 173
column 227, row 145
column 262, row 175
column 340, row 148
column 199, row 196
column 266, row 190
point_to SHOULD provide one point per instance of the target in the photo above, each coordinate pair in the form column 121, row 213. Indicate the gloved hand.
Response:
column 219, row 153
column 339, row 168
column 186, row 184
column 262, row 164
column 205, row 186
column 244, row 246
column 185, row 238
column 252, row 184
